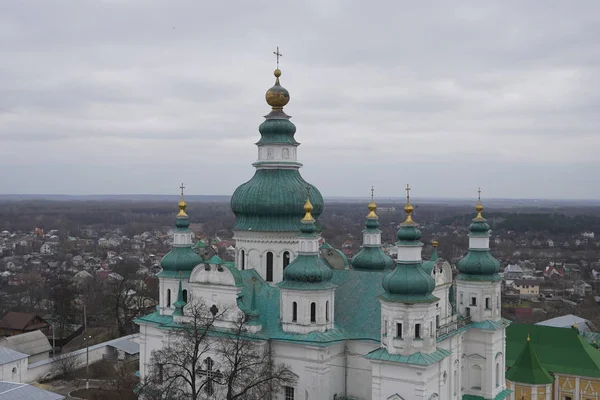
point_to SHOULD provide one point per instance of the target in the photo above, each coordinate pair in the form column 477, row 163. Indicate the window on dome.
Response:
column 417, row 331
column 286, row 259
column 243, row 260
column 313, row 312
column 185, row 299
column 437, row 321
column 269, row 267
column 487, row 303
column 168, row 297
column 473, row 301
column 326, row 311
column 294, row 312
column 461, row 298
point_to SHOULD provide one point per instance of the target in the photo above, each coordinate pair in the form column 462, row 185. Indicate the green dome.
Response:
column 409, row 283
column 180, row 259
column 479, row 227
column 479, row 262
column 182, row 222
column 408, row 233
column 430, row 264
column 307, row 271
column 372, row 259
column 272, row 201
column 277, row 131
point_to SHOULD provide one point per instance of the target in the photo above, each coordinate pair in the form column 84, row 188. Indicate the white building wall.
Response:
column 320, row 370
column 483, row 362
column 256, row 245
column 359, row 374
column 467, row 290
column 14, row 371
column 325, row 305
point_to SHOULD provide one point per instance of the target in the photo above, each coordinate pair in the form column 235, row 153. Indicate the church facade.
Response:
column 381, row 329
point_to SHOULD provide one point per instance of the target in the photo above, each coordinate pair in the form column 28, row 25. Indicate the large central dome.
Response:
column 272, row 200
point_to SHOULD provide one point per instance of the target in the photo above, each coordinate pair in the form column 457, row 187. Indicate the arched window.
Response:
column 313, row 312
column 185, row 299
column 14, row 370
column 168, row 297
column 286, row 259
column 476, row 377
column 294, row 312
column 326, row 311
column 243, row 260
column 497, row 374
column 269, row 267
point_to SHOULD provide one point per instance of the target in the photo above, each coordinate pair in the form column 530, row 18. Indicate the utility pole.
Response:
column 87, row 362
column 53, row 341
column 84, row 318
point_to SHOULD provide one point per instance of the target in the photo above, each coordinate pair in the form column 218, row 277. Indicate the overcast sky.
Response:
column 136, row 96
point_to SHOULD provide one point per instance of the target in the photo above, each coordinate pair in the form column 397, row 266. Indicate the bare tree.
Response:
column 248, row 368
column 65, row 365
column 202, row 361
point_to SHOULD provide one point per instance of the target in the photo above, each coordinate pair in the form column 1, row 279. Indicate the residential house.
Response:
column 46, row 249
column 582, row 289
column 35, row 344
column 552, row 271
column 550, row 243
column 527, row 287
column 513, row 271
column 15, row 323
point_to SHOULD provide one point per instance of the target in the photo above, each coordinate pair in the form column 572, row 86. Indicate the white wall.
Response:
column 20, row 368
column 46, row 368
column 256, row 245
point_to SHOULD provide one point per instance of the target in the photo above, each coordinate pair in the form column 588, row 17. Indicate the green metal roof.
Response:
column 409, row 283
column 490, row 325
column 180, row 259
column 418, row 358
column 560, row 350
column 528, row 369
column 479, row 262
column 277, row 131
column 272, row 201
column 430, row 264
column 372, row 258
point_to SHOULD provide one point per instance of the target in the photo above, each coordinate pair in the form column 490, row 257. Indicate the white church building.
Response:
column 381, row 329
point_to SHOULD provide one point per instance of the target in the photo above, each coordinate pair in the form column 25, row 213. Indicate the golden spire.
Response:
column 434, row 243
column 528, row 338
column 408, row 208
column 308, row 207
column 372, row 206
column 277, row 97
column 182, row 204
column 479, row 206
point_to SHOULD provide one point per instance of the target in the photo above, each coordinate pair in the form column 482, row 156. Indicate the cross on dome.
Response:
column 277, row 54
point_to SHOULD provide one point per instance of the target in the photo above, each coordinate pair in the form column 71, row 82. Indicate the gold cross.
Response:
column 308, row 192
column 372, row 192
column 407, row 193
column 182, row 187
column 278, row 54
column 479, row 194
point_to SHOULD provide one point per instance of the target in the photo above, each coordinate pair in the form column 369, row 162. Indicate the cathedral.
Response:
column 373, row 329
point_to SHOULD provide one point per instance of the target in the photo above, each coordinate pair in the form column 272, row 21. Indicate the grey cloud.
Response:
column 438, row 93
